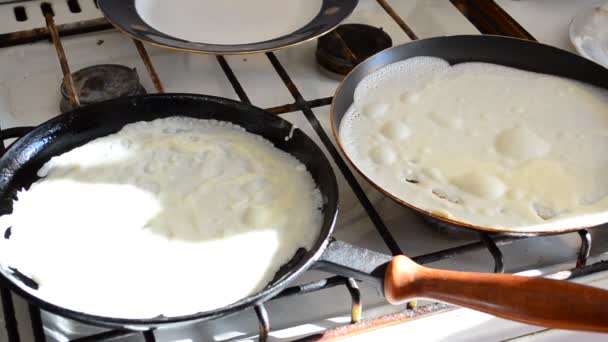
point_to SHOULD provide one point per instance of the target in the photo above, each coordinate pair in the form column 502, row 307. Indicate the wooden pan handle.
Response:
column 538, row 301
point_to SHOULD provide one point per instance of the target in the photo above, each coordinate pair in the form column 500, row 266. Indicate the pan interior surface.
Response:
column 461, row 49
column 230, row 27
column 23, row 159
column 213, row 22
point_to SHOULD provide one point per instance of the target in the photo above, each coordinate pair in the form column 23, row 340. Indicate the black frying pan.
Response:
column 510, row 52
column 18, row 167
column 562, row 304
column 124, row 16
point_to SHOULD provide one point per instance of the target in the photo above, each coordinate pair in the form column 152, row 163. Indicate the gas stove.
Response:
column 291, row 83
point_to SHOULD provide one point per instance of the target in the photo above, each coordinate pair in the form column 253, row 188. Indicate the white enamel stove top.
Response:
column 29, row 94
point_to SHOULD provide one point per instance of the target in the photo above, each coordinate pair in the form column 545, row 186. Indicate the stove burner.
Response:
column 101, row 82
column 350, row 44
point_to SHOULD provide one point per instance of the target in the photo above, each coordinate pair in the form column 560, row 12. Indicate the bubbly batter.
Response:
column 174, row 217
column 483, row 144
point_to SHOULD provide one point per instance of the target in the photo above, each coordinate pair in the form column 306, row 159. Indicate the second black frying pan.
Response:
column 517, row 53
column 537, row 301
column 124, row 16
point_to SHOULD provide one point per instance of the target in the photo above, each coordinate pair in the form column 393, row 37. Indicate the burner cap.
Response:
column 101, row 82
column 350, row 44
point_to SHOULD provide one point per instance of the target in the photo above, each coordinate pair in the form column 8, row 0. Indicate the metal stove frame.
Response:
column 485, row 15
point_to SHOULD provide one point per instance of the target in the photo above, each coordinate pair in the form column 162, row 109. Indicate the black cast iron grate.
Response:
column 488, row 17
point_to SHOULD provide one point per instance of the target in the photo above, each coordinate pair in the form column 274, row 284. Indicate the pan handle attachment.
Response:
column 537, row 301
column 354, row 262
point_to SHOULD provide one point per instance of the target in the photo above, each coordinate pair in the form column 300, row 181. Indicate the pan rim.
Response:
column 460, row 224
column 138, row 324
